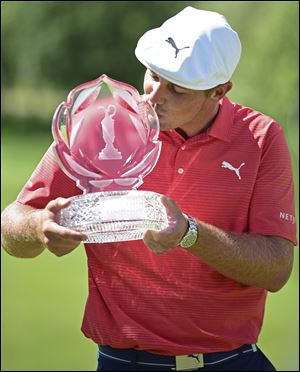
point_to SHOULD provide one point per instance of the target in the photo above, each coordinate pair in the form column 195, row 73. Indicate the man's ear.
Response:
column 220, row 91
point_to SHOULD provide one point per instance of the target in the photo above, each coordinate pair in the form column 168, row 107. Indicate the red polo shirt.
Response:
column 236, row 176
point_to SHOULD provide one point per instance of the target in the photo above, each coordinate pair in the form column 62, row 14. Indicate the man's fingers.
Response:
column 150, row 242
column 153, row 240
column 57, row 232
column 58, row 204
column 66, row 233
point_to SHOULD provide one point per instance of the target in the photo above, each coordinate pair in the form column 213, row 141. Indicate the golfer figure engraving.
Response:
column 109, row 152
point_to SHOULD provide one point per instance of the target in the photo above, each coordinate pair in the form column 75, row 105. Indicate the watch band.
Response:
column 191, row 235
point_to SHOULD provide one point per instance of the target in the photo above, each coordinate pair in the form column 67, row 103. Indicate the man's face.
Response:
column 176, row 107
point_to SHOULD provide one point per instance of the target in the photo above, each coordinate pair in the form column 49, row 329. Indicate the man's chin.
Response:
column 164, row 128
column 163, row 125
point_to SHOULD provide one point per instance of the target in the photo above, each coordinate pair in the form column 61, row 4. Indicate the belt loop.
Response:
column 254, row 348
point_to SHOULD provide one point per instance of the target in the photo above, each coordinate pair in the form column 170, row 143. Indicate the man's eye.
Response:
column 155, row 78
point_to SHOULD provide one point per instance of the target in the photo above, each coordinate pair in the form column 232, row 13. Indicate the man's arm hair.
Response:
column 27, row 231
column 19, row 235
column 251, row 259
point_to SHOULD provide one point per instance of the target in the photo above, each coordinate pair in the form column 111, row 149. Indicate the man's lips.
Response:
column 159, row 113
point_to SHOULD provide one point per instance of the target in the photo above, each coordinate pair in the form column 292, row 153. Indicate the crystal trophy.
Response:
column 106, row 139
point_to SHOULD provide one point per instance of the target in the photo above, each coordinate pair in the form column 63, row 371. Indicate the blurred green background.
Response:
column 50, row 47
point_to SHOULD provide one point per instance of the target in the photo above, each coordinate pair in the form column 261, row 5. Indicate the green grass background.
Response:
column 43, row 298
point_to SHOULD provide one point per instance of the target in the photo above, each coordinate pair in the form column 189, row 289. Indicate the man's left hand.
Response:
column 164, row 240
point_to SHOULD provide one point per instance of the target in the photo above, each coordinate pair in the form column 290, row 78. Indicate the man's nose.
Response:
column 157, row 94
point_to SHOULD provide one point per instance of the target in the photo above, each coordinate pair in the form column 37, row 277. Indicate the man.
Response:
column 190, row 296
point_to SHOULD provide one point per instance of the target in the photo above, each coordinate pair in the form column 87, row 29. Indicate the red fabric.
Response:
column 174, row 303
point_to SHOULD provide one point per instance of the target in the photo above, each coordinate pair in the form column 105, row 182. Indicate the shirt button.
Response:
column 180, row 170
column 183, row 147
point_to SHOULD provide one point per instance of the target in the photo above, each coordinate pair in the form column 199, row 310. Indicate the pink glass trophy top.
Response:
column 106, row 136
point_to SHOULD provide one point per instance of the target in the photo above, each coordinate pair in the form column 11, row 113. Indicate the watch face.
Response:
column 189, row 239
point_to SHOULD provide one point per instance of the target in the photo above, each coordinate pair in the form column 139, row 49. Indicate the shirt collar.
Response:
column 221, row 128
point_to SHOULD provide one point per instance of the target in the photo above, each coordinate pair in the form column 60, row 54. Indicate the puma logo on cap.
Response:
column 173, row 44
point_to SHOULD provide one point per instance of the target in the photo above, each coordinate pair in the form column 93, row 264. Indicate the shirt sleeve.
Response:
column 272, row 209
column 47, row 182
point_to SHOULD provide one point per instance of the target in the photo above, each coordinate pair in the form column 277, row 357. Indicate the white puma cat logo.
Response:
column 225, row 164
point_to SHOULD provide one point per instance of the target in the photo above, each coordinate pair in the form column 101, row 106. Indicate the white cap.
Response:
column 195, row 49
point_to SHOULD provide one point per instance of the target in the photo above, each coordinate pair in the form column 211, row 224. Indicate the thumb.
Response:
column 170, row 205
column 58, row 204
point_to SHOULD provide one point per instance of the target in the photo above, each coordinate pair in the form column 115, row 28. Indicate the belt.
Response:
column 176, row 363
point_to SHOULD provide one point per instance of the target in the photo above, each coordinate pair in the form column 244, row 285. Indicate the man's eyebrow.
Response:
column 178, row 86
column 182, row 88
column 175, row 85
column 152, row 72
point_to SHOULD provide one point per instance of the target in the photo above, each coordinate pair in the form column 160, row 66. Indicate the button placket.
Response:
column 181, row 159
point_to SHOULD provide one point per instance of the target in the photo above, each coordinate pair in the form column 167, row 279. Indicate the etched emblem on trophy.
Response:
column 109, row 151
column 106, row 139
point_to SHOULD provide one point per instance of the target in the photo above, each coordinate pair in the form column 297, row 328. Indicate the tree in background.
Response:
column 58, row 45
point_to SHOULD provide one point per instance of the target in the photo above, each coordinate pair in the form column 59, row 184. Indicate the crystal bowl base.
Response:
column 114, row 216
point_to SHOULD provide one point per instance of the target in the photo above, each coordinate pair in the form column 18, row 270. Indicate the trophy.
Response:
column 106, row 139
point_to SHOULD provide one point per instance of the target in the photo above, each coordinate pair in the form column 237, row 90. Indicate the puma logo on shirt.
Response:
column 227, row 165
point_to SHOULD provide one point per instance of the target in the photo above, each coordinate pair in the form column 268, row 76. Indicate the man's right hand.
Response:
column 58, row 239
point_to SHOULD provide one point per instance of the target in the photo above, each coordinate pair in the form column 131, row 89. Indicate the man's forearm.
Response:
column 256, row 260
column 18, row 231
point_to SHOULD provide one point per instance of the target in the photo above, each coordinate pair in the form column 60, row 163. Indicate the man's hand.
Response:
column 164, row 240
column 58, row 239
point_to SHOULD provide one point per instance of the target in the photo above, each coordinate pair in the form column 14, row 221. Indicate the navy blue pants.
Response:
column 242, row 359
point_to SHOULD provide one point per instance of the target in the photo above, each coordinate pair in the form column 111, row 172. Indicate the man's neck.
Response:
column 192, row 129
